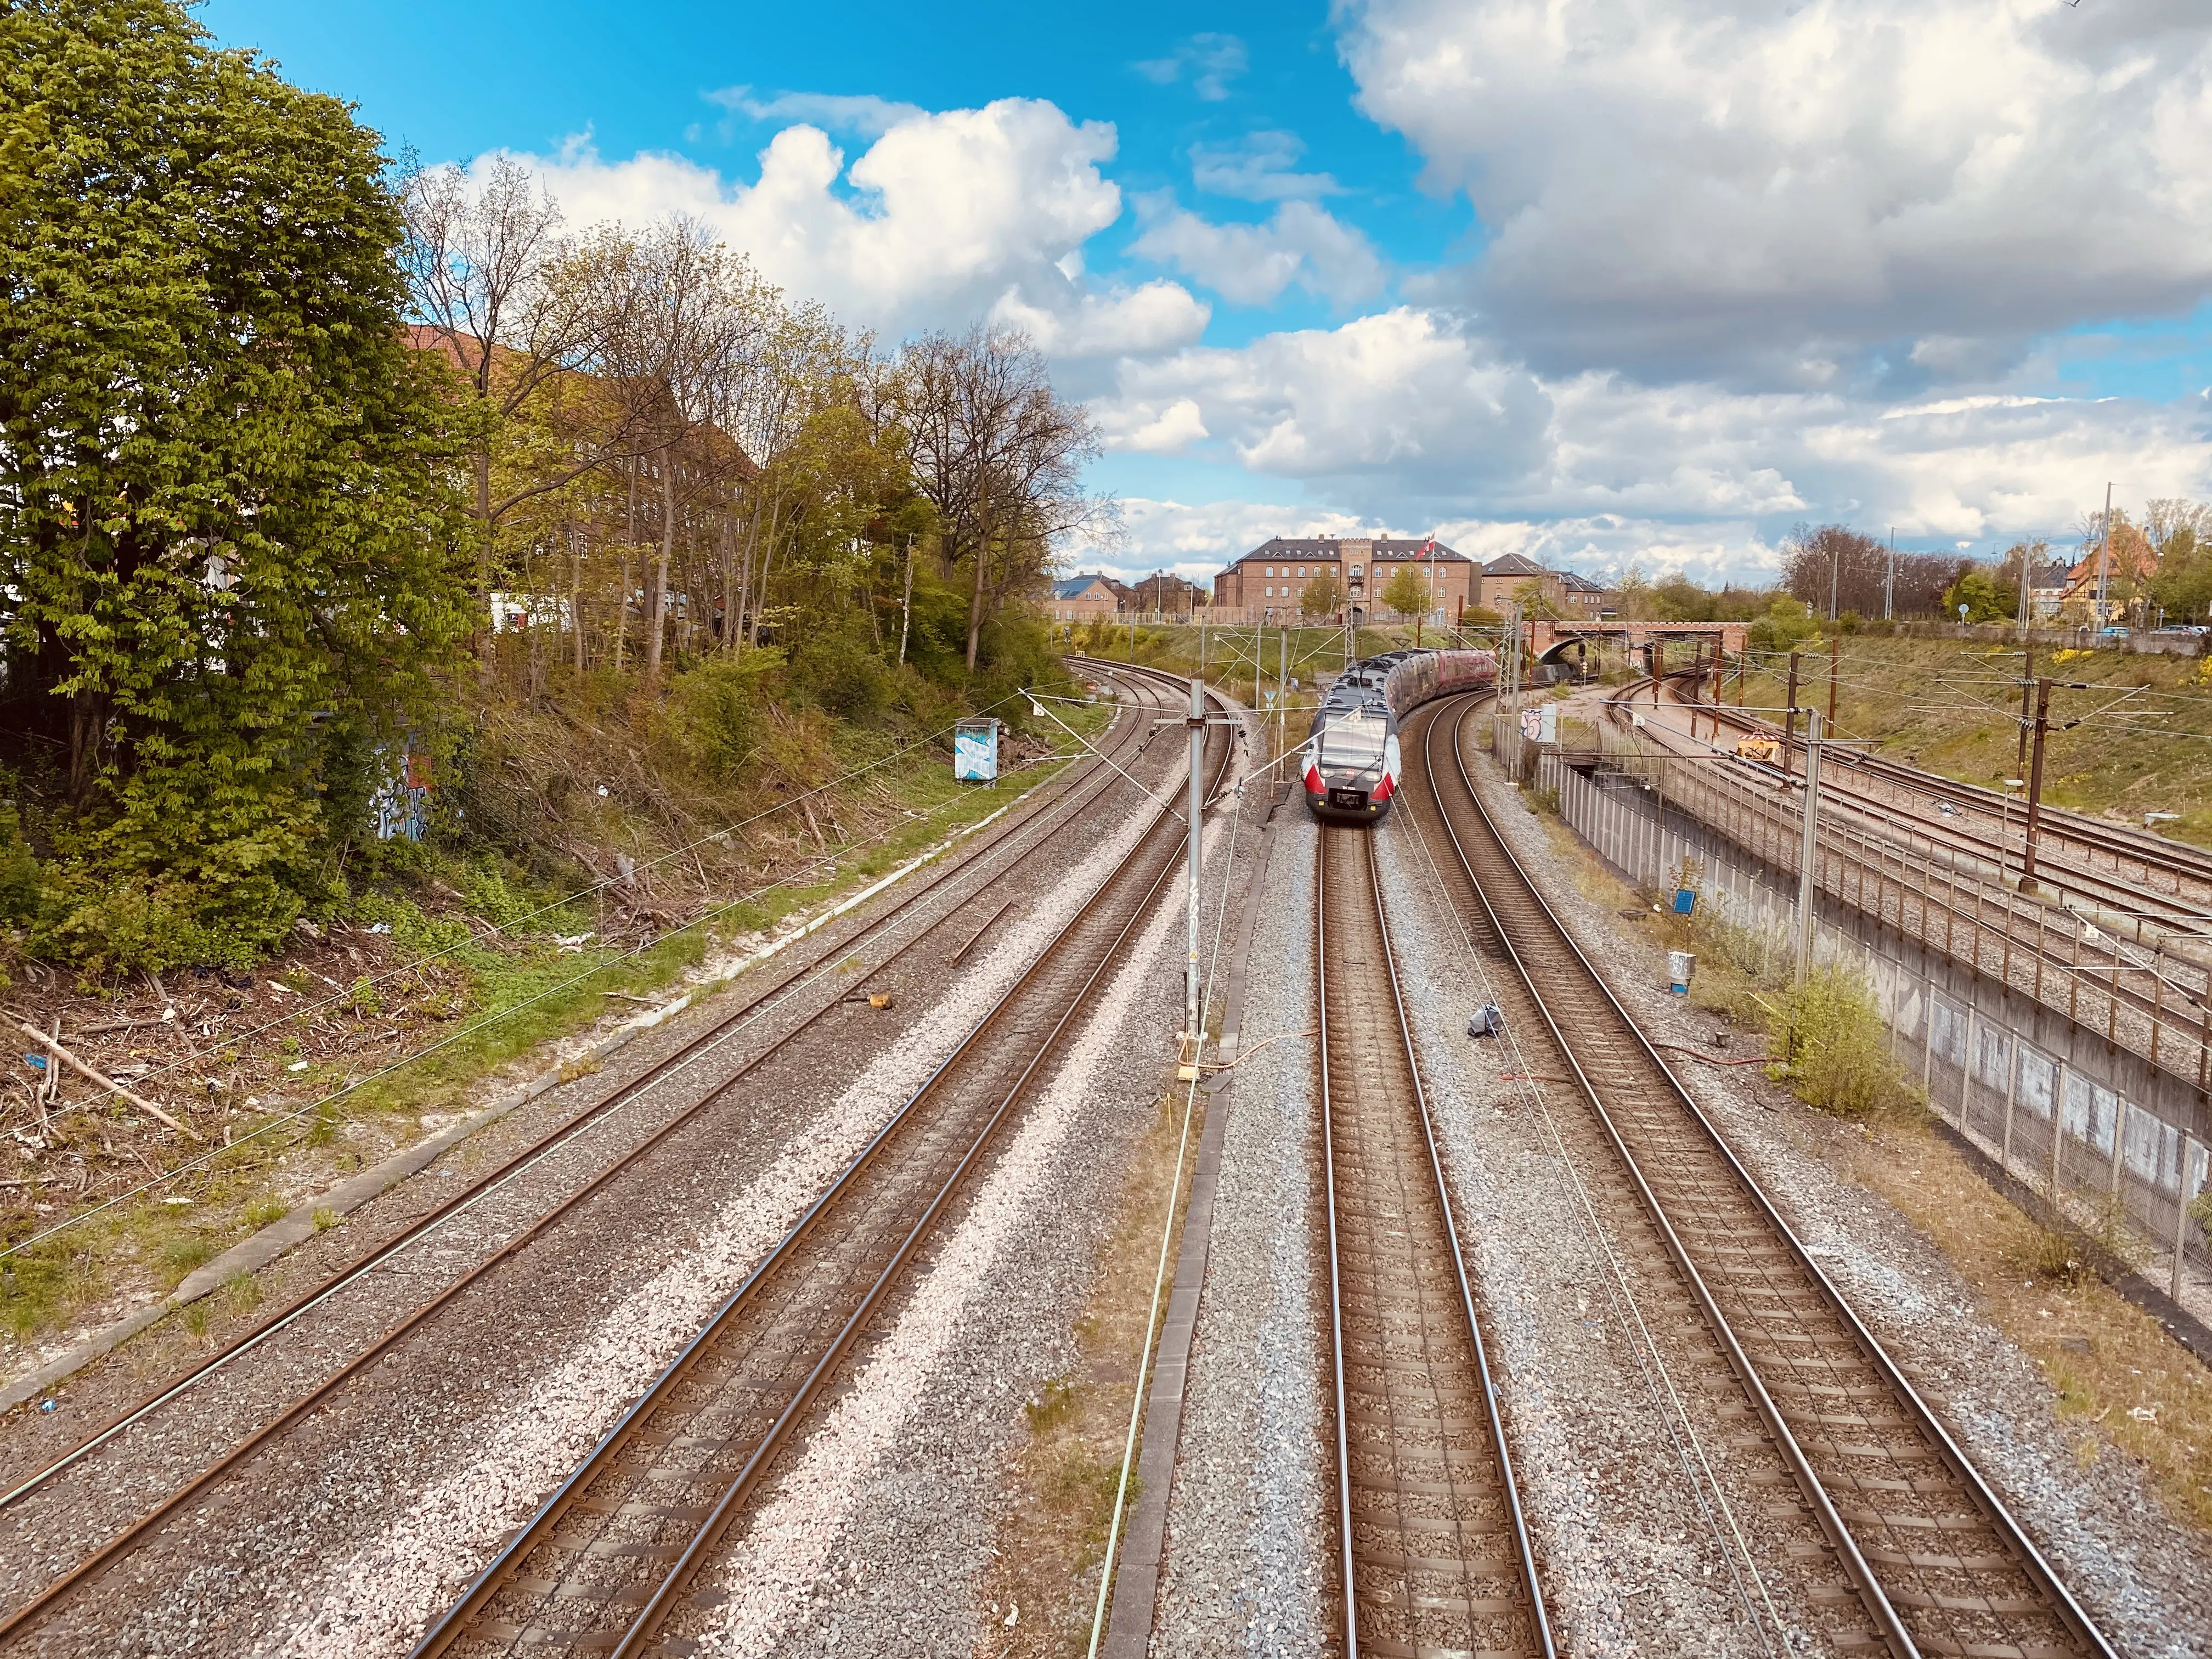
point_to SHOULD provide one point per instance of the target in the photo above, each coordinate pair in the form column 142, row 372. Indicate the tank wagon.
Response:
column 1350, row 760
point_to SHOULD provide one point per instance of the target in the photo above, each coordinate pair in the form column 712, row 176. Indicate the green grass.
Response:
column 1953, row 709
column 506, row 1004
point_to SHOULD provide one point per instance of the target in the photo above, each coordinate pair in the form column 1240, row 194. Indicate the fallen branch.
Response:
column 54, row 1046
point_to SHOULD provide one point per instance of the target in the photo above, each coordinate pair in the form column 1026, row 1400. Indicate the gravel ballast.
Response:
column 402, row 1463
column 2139, row 1572
column 1250, row 1552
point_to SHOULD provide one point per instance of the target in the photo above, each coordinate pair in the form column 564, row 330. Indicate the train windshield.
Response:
column 1353, row 741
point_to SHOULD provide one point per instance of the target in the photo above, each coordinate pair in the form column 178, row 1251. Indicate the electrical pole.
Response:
column 1889, row 581
column 1808, row 851
column 2104, row 561
column 1513, row 692
column 1194, row 1016
column 1789, row 715
column 1835, row 667
column 1835, row 574
column 2026, row 708
column 2026, row 558
column 1282, row 690
column 2035, row 784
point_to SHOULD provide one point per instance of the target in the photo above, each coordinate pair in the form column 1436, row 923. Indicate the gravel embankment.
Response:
column 1639, row 1544
column 2140, row 1574
column 354, row 1513
column 874, row 1539
column 1248, row 1558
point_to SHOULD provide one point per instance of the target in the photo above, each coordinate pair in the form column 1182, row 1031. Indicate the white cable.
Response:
column 1622, row 1295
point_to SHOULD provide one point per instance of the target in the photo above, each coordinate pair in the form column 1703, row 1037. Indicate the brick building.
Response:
column 1267, row 585
column 1083, row 600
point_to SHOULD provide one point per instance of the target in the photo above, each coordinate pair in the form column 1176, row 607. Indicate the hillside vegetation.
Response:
column 2144, row 743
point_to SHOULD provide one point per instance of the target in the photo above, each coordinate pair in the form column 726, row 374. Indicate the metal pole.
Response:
column 1193, row 1024
column 1282, row 690
column 2105, row 560
column 1835, row 667
column 2026, row 708
column 2026, row 558
column 1808, row 852
column 1790, row 717
column 2035, row 784
column 1889, row 581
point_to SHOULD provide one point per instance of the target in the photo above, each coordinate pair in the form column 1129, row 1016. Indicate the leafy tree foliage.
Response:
column 227, row 530
column 1405, row 593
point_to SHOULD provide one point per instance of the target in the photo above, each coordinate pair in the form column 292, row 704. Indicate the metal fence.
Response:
column 2116, row 1168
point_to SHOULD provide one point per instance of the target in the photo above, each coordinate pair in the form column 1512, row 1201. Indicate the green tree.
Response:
column 1985, row 598
column 1323, row 596
column 228, row 535
column 1534, row 600
column 1638, row 602
column 1405, row 593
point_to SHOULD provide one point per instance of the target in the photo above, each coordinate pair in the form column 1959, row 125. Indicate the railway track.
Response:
column 1435, row 1555
column 1937, row 1563
column 607, row 1557
column 1018, row 837
column 2144, row 877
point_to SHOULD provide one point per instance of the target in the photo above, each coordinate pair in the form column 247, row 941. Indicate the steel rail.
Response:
column 456, row 1621
column 1866, row 835
column 553, row 1139
column 2058, row 1601
column 1506, row 1481
column 579, row 1123
column 2062, row 831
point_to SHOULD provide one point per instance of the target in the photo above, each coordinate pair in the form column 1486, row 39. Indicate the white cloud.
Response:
column 1403, row 413
column 1401, row 394
column 1155, row 431
column 1151, row 318
column 1252, row 265
column 944, row 218
column 1261, row 166
column 863, row 114
column 1210, row 61
column 1779, row 188
column 1194, row 540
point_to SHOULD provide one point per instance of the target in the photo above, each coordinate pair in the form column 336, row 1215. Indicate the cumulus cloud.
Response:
column 1252, row 265
column 945, row 217
column 1408, row 414
column 1402, row 394
column 1118, row 322
column 863, row 112
column 1209, row 61
column 1261, row 166
column 1793, row 192
column 1194, row 540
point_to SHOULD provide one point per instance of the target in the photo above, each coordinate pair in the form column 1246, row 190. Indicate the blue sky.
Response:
column 1597, row 280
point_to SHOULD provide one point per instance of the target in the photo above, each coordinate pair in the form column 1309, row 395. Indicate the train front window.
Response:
column 1353, row 741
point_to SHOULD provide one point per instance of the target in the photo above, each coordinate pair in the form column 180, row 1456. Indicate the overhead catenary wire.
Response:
column 652, row 942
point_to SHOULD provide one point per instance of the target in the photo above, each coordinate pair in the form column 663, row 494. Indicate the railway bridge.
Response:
column 1547, row 639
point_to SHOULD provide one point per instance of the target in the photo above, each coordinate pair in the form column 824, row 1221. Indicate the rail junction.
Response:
column 1836, row 1505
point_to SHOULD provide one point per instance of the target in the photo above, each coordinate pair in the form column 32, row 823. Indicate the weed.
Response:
column 1055, row 1404
column 181, row 1256
column 1828, row 1034
column 326, row 1218
column 263, row 1211
column 362, row 996
column 2051, row 1254
column 195, row 1318
column 242, row 1293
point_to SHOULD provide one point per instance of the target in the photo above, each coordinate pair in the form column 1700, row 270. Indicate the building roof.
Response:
column 1513, row 564
column 1577, row 582
column 1074, row 587
column 1332, row 548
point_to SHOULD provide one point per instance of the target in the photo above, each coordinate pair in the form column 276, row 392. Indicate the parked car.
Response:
column 2115, row 632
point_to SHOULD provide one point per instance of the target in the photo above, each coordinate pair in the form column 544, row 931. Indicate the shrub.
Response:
column 1829, row 1034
